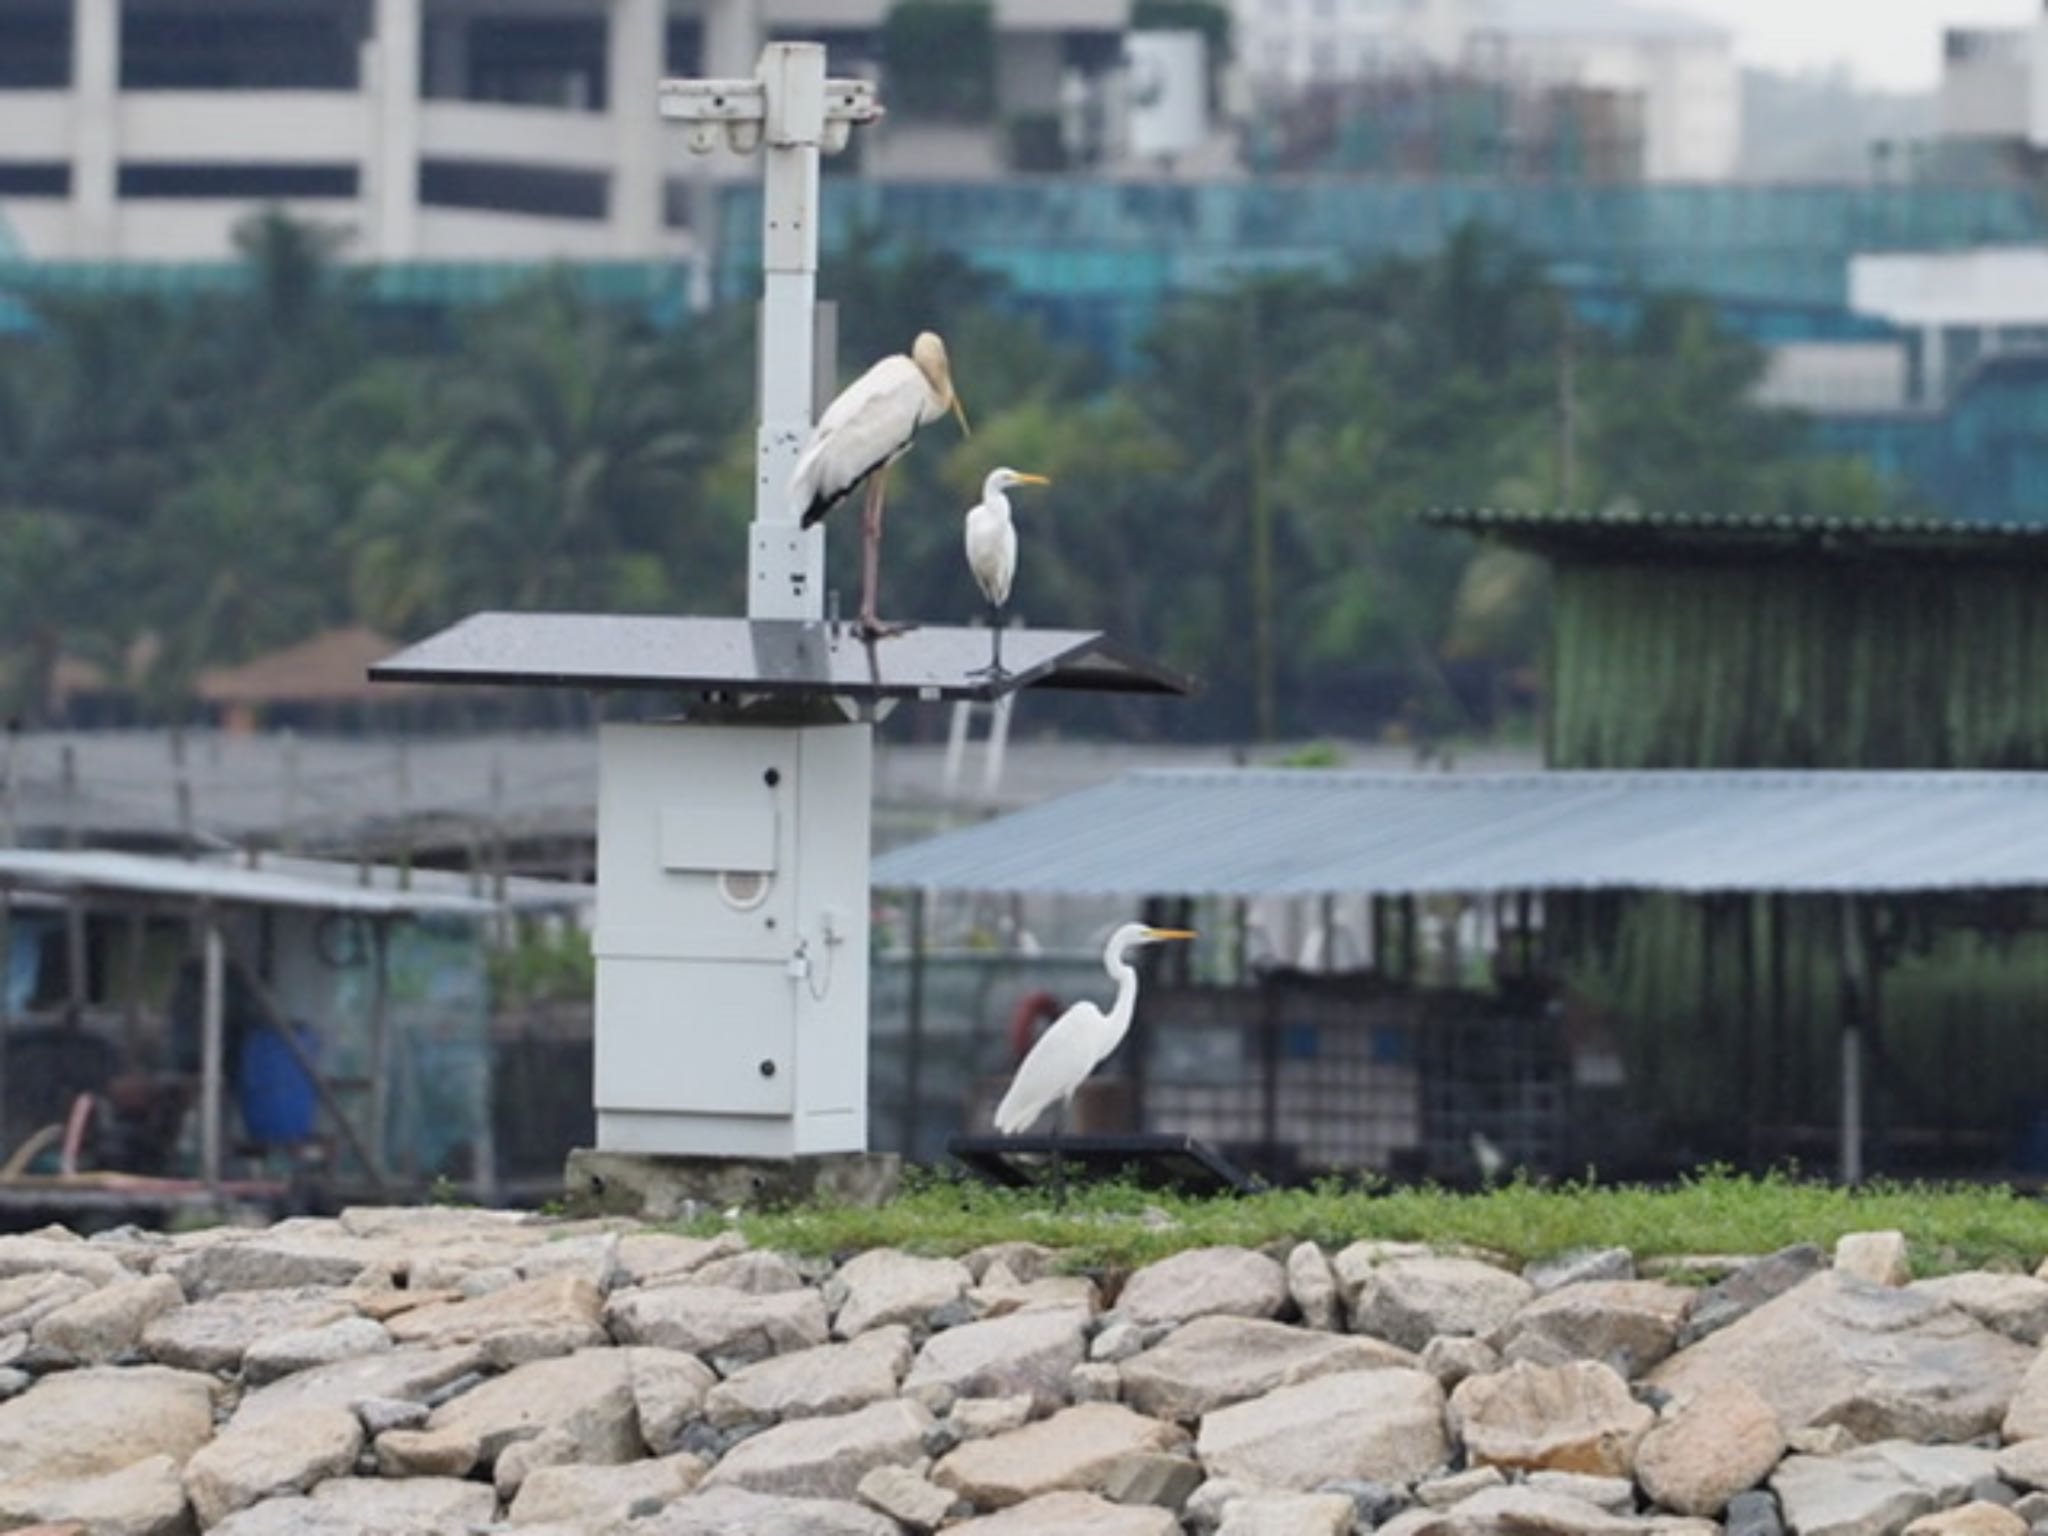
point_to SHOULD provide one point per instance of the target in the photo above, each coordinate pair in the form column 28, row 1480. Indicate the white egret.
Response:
column 1078, row 1041
column 863, row 432
column 992, row 551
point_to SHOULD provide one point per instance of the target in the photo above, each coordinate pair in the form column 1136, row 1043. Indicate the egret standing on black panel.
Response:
column 863, row 432
column 991, row 540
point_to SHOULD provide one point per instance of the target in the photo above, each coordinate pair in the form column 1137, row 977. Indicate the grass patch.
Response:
column 1949, row 1227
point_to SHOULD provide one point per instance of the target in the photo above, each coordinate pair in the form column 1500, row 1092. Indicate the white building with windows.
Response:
column 430, row 129
column 1682, row 69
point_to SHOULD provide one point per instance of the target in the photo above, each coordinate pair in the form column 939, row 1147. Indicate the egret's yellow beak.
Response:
column 1158, row 934
column 960, row 411
column 1033, row 480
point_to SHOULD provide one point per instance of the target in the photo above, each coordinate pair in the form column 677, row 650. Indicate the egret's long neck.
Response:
column 1126, row 1004
column 994, row 499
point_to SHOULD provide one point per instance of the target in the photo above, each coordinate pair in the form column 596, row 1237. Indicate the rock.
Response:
column 2014, row 1305
column 1095, row 1384
column 585, row 1400
column 1579, row 1266
column 1976, row 1519
column 368, row 1506
column 86, row 1423
column 715, row 1321
column 1754, row 1514
column 1410, row 1301
column 830, row 1379
column 669, row 1390
column 32, row 1256
column 1026, row 1262
column 214, row 1335
column 287, row 1454
column 599, row 1494
column 1074, row 1449
column 1288, row 1514
column 1522, row 1511
column 1628, row 1325
column 2025, row 1463
column 281, row 1354
column 1387, row 1425
column 825, row 1458
column 648, row 1257
column 1215, row 1361
column 1030, row 1353
column 1704, row 1451
column 729, row 1511
column 107, row 1322
column 1071, row 1514
column 1879, row 1257
column 903, row 1496
column 26, row 1300
column 1119, row 1341
column 531, row 1320
column 1312, row 1285
column 1151, row 1477
column 1616, row 1495
column 1568, row 1418
column 145, row 1498
column 1759, row 1281
column 976, row 1418
column 1451, row 1358
column 1882, row 1363
column 1876, row 1489
column 755, row 1272
column 402, row 1374
column 1456, row 1487
column 1002, row 1295
column 427, row 1452
column 271, row 1263
column 2026, row 1416
column 1822, row 1440
column 593, row 1257
column 1204, row 1281
column 884, row 1286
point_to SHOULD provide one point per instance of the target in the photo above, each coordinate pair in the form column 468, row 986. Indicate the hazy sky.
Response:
column 1894, row 43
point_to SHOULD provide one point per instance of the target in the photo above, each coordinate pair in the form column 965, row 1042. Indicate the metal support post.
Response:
column 212, row 1044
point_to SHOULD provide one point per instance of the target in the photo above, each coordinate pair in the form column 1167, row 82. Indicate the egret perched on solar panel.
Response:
column 1077, row 1043
column 870, row 426
column 992, row 552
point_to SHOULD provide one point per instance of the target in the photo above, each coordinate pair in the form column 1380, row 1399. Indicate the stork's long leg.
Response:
column 871, row 557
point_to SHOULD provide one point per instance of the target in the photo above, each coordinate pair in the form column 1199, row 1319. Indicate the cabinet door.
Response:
column 695, row 1036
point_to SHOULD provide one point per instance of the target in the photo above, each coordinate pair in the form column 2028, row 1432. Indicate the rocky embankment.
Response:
column 430, row 1371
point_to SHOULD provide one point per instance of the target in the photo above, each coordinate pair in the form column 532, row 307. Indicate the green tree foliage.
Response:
column 940, row 57
column 202, row 480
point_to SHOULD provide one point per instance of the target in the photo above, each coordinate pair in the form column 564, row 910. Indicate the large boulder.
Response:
column 596, row 1494
column 669, row 1390
column 583, row 1402
column 1384, row 1425
column 108, row 1322
column 883, row 1286
column 1409, row 1301
column 825, row 1458
column 287, row 1454
column 1215, row 1361
column 214, row 1335
column 146, row 1498
column 278, row 1261
column 1204, row 1281
column 555, row 1314
column 81, row 1424
column 647, row 1258
column 1709, row 1448
column 833, row 1378
column 304, row 1349
column 1312, row 1286
column 31, row 1255
column 404, row 1375
column 726, row 1511
column 1630, row 1325
column 1076, row 1449
column 368, row 1506
column 718, row 1322
column 2014, row 1305
column 1071, row 1514
column 1883, row 1363
column 1876, row 1489
column 1752, row 1285
column 1026, row 1352
column 1568, row 1418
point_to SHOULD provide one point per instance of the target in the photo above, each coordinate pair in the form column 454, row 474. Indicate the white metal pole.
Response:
column 786, row 564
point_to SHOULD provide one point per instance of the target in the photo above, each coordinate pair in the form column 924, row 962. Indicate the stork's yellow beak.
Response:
column 960, row 412
column 1170, row 933
column 1033, row 480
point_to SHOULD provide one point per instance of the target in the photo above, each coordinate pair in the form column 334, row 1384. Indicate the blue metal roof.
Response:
column 1264, row 832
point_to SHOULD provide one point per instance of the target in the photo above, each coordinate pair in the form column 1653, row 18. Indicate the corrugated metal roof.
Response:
column 138, row 874
column 1577, row 526
column 1277, row 832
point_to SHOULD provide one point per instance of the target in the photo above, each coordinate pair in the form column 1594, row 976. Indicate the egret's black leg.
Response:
column 994, row 670
column 1059, row 1164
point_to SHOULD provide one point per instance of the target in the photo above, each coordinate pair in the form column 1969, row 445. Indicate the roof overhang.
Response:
column 1625, row 534
column 1270, row 832
column 768, row 657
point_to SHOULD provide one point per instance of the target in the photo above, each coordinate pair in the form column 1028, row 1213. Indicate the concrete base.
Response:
column 599, row 1183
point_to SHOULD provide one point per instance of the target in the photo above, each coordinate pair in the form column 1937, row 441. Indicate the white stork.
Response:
column 861, row 434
